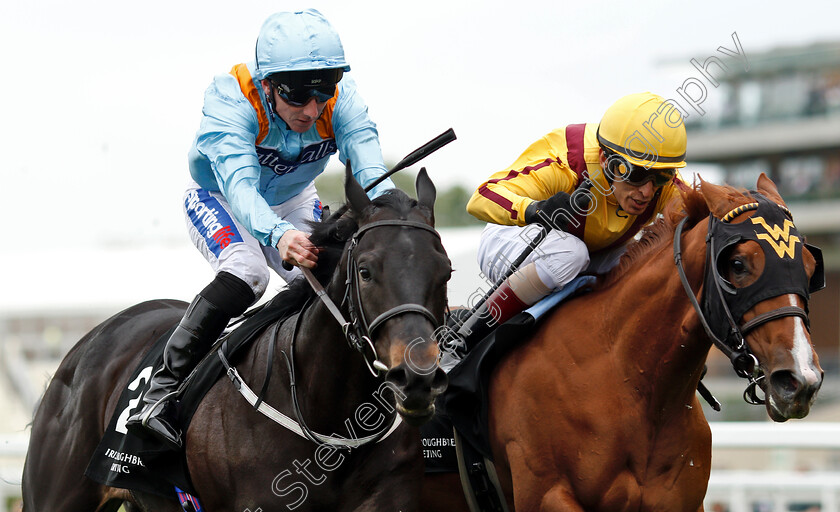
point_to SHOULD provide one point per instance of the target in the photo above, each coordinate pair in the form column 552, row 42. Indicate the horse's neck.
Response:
column 654, row 324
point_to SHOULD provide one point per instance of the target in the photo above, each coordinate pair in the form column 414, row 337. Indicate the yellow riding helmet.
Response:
column 646, row 130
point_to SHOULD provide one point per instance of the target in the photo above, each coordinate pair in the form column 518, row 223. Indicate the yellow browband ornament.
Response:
column 750, row 206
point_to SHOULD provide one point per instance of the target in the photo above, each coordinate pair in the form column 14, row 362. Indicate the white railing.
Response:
column 12, row 453
column 775, row 490
column 761, row 434
column 731, row 490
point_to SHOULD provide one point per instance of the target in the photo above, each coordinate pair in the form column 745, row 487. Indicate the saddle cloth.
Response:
column 464, row 404
column 128, row 462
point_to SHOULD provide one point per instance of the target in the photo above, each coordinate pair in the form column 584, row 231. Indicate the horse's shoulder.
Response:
column 175, row 306
column 138, row 325
column 151, row 311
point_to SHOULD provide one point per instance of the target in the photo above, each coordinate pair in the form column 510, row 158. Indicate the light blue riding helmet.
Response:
column 298, row 41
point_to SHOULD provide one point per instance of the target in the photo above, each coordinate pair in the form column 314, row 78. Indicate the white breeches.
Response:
column 558, row 259
column 228, row 246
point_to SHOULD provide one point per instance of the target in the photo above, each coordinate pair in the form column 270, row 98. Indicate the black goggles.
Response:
column 297, row 88
column 619, row 169
column 300, row 97
column 638, row 176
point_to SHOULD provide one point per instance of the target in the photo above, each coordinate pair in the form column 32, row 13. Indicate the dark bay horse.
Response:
column 597, row 411
column 383, row 264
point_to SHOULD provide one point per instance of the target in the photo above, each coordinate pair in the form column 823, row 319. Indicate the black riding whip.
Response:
column 417, row 155
column 411, row 159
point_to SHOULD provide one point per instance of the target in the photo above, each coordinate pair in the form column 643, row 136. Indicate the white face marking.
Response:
column 802, row 354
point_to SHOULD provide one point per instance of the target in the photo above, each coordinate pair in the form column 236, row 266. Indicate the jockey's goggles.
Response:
column 638, row 176
column 620, row 169
column 297, row 88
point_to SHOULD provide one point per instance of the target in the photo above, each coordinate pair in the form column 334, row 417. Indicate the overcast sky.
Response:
column 100, row 100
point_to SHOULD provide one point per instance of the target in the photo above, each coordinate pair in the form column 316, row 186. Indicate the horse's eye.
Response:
column 364, row 273
column 738, row 266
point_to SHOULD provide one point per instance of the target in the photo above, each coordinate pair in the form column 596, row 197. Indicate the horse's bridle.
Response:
column 719, row 297
column 358, row 331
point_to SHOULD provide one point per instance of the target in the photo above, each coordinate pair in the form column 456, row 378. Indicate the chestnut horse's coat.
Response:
column 597, row 411
column 396, row 279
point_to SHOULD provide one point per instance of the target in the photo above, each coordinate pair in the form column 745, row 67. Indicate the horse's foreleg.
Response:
column 442, row 492
column 153, row 503
column 402, row 496
column 534, row 494
column 558, row 499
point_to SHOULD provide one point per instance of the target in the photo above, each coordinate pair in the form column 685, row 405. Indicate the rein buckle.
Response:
column 231, row 373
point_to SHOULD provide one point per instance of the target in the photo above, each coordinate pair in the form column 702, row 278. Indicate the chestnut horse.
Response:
column 597, row 411
column 385, row 267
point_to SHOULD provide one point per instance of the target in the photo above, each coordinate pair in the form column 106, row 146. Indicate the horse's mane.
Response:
column 332, row 235
column 691, row 204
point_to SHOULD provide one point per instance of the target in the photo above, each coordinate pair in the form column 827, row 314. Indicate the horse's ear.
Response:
column 768, row 189
column 356, row 196
column 426, row 192
column 717, row 198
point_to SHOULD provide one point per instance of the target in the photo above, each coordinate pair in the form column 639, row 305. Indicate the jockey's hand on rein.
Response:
column 559, row 209
column 296, row 249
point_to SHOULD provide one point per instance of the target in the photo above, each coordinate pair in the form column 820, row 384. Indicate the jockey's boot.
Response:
column 198, row 330
column 521, row 290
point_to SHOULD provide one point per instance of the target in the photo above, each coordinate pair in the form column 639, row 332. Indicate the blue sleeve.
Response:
column 227, row 138
column 357, row 138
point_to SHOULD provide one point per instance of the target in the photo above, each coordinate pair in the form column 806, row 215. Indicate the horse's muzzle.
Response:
column 790, row 395
column 416, row 392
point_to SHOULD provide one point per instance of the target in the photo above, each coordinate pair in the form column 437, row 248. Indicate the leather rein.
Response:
column 358, row 332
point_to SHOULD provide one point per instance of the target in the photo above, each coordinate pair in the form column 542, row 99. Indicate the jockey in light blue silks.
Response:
column 268, row 129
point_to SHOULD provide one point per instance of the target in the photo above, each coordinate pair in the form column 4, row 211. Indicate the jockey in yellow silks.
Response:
column 593, row 185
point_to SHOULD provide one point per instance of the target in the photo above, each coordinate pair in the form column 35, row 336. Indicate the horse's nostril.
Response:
column 439, row 382
column 398, row 377
column 785, row 382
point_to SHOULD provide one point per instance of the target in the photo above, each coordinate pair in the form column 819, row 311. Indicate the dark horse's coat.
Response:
column 238, row 459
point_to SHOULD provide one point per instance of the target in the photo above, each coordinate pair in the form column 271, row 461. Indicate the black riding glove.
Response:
column 558, row 210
